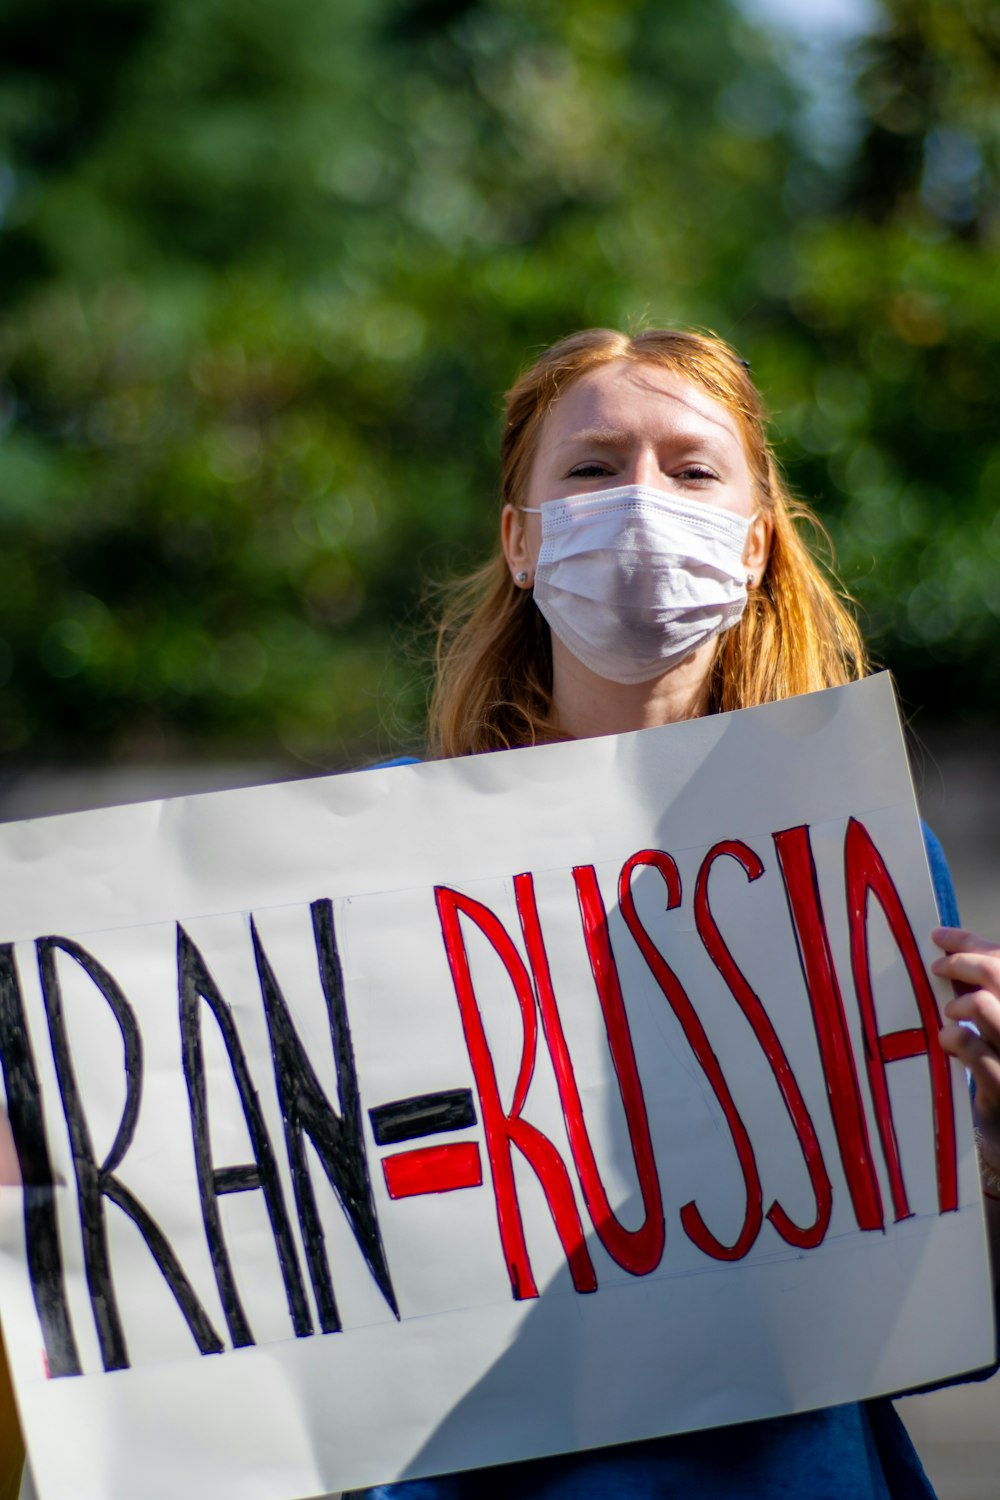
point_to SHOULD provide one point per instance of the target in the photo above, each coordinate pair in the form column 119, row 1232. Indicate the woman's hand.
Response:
column 973, row 963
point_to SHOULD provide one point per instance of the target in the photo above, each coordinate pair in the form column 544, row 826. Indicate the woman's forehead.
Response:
column 625, row 397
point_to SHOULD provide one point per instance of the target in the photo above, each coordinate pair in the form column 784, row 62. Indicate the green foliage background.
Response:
column 266, row 265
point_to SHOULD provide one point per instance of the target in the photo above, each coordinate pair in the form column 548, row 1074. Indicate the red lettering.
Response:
column 808, row 1237
column 637, row 1250
column 505, row 1129
column 866, row 874
column 673, row 990
column 432, row 1169
column 798, row 871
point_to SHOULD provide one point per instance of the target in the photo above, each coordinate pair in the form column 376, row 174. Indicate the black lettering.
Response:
column 422, row 1114
column 337, row 1138
column 95, row 1183
column 195, row 984
column 41, row 1227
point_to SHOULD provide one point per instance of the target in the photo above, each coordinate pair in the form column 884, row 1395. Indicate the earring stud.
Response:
column 751, row 580
column 521, row 578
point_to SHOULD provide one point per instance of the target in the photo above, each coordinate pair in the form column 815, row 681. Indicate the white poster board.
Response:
column 406, row 1121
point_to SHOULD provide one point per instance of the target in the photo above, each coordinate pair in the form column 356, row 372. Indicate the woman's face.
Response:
column 625, row 423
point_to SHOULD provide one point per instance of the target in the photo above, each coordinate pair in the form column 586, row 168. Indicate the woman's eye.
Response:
column 696, row 472
column 589, row 470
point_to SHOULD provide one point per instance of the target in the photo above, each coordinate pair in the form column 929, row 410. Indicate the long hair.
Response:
column 493, row 685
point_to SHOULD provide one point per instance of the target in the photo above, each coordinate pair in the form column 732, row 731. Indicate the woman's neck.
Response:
column 585, row 705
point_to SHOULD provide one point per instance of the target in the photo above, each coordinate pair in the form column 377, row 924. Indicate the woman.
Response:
column 650, row 571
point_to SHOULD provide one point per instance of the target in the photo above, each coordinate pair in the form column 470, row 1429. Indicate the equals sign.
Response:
column 427, row 1169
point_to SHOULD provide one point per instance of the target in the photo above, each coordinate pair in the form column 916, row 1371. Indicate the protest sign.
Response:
column 391, row 1123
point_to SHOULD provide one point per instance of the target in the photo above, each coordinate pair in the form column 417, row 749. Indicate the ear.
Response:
column 758, row 547
column 516, row 549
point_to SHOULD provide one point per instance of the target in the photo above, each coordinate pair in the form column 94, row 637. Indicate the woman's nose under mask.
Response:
column 632, row 580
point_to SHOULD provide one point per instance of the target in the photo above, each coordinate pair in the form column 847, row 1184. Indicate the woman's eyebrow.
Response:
column 613, row 437
column 598, row 437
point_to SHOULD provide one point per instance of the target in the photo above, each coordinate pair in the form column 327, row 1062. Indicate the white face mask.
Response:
column 632, row 580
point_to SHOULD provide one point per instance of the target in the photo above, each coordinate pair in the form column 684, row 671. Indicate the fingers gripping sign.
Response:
column 972, row 1034
column 972, row 963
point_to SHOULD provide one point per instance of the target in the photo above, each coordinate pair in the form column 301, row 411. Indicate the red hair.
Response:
column 494, row 655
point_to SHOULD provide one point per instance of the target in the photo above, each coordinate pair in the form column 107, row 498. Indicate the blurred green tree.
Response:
column 266, row 267
column 896, row 297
